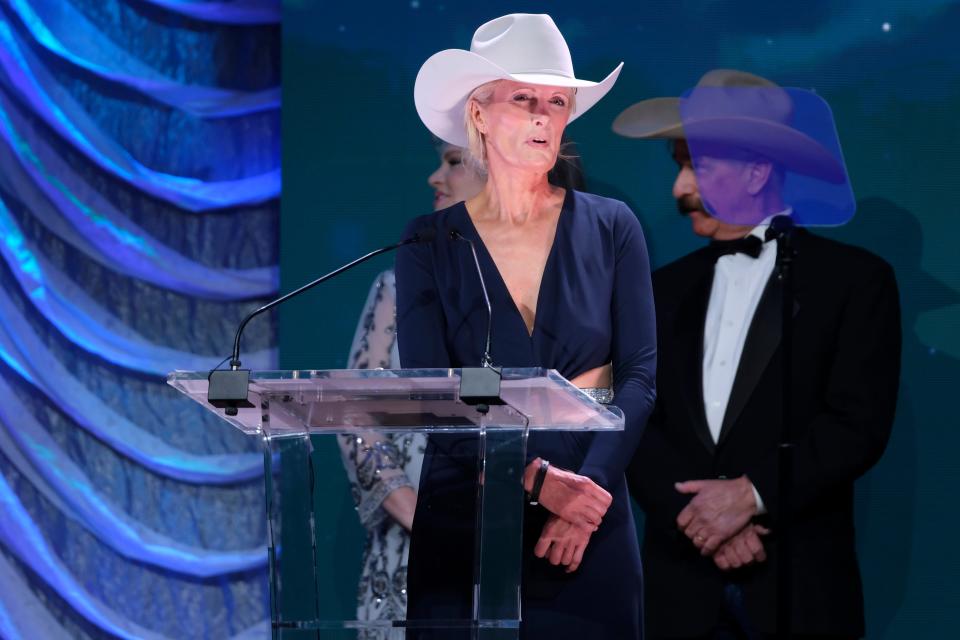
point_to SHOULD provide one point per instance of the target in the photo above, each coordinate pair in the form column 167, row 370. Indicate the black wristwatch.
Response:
column 538, row 482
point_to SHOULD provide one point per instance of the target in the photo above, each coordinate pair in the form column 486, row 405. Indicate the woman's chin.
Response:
column 537, row 163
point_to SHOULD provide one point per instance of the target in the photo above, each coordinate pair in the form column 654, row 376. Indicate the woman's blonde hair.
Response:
column 476, row 151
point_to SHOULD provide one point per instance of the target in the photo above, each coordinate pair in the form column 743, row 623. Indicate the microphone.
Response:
column 455, row 234
column 479, row 386
column 227, row 389
column 780, row 227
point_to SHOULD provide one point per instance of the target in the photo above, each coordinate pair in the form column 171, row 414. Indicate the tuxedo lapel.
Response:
column 691, row 317
column 763, row 339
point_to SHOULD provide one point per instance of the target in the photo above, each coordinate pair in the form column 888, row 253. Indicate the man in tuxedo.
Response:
column 705, row 472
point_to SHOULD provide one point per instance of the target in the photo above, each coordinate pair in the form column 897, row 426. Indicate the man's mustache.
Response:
column 688, row 204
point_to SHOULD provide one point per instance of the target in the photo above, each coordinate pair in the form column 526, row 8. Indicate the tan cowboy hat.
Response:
column 522, row 47
column 734, row 109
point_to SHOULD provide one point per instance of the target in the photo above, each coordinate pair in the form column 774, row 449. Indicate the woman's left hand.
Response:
column 575, row 498
column 562, row 542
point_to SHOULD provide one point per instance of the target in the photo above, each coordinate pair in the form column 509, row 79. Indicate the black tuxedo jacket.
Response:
column 846, row 367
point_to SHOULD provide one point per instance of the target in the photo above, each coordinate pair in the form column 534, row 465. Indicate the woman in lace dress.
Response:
column 384, row 469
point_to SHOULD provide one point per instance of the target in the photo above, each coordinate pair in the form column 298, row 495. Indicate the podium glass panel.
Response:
column 289, row 410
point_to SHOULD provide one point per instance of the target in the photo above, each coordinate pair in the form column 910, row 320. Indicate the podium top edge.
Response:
column 509, row 373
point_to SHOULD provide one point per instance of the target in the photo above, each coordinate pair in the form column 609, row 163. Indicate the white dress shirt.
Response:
column 738, row 284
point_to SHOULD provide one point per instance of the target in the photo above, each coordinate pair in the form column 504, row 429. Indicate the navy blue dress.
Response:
column 595, row 306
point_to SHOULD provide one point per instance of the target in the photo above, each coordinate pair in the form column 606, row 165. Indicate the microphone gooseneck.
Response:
column 455, row 234
column 782, row 229
column 424, row 235
column 228, row 388
column 480, row 386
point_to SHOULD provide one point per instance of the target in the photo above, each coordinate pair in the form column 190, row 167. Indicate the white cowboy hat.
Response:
column 737, row 109
column 520, row 46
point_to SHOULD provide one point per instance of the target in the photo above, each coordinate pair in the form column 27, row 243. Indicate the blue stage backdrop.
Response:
column 139, row 200
column 356, row 160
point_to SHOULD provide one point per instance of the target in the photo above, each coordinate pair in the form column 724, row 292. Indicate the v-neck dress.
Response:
column 595, row 306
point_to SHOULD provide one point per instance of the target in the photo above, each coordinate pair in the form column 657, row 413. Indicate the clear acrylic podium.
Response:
column 285, row 408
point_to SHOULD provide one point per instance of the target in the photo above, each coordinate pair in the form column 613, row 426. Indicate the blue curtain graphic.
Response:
column 139, row 204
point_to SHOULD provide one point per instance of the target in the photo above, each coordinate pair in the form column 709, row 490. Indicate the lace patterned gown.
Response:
column 376, row 464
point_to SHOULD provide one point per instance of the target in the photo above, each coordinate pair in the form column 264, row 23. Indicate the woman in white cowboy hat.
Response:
column 384, row 468
column 569, row 282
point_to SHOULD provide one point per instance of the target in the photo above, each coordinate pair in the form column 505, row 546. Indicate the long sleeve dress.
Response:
column 378, row 463
column 595, row 306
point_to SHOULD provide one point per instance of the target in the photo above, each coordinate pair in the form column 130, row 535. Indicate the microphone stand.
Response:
column 480, row 386
column 781, row 228
column 227, row 389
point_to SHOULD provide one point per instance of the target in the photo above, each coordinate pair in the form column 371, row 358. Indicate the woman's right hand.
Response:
column 400, row 504
column 562, row 543
column 575, row 498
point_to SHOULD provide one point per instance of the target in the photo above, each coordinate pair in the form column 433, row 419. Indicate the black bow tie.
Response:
column 751, row 246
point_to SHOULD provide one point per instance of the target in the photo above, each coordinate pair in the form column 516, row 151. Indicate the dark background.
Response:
column 356, row 158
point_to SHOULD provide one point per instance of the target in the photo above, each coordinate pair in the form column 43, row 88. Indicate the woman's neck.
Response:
column 514, row 196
